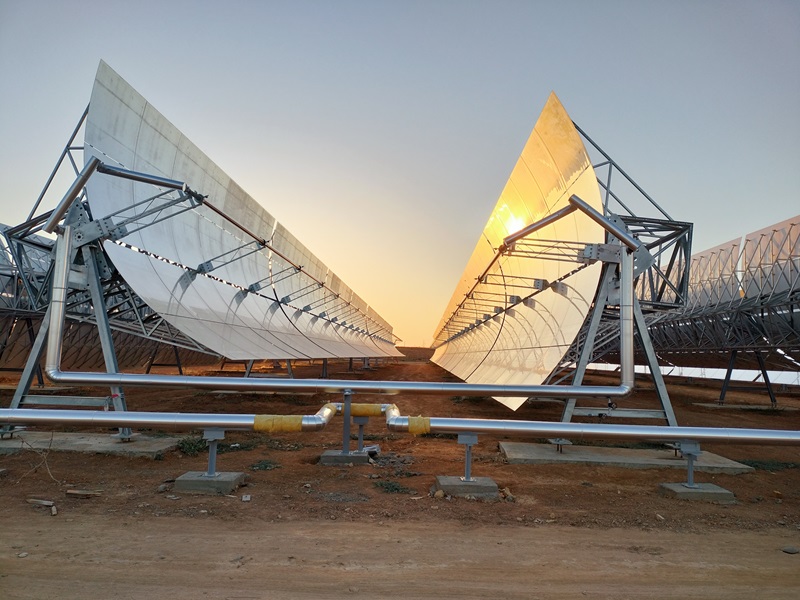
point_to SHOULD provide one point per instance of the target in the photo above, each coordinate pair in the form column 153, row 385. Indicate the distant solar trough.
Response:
column 516, row 311
column 209, row 258
column 743, row 299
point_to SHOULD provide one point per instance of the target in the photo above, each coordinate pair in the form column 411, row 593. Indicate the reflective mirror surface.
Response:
column 514, row 315
column 238, row 282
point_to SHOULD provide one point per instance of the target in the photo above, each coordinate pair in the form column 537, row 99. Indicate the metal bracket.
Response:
column 97, row 230
column 592, row 253
column 205, row 267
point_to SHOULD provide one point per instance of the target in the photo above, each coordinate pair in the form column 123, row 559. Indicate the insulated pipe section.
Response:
column 94, row 418
column 549, row 429
column 626, row 360
column 260, row 423
column 53, row 370
column 318, row 421
column 397, row 423
column 364, row 410
column 58, row 294
column 328, row 386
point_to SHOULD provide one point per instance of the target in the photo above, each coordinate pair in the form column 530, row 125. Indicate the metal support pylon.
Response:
column 570, row 408
column 762, row 367
column 89, row 254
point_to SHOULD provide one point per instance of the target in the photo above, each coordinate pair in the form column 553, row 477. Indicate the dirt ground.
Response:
column 373, row 531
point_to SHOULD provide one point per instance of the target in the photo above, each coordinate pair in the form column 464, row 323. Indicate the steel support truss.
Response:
column 100, row 307
column 102, row 310
column 662, row 281
column 743, row 307
column 662, row 263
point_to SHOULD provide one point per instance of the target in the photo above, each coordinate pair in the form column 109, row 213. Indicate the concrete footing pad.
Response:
column 198, row 482
column 704, row 491
column 707, row 462
column 336, row 457
column 91, row 443
column 483, row 488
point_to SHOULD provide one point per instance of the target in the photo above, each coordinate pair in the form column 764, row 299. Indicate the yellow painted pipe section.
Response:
column 419, row 425
column 278, row 423
column 366, row 410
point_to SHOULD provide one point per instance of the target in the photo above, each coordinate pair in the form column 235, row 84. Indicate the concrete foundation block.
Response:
column 704, row 491
column 89, row 443
column 198, row 482
column 483, row 488
column 529, row 454
column 336, row 458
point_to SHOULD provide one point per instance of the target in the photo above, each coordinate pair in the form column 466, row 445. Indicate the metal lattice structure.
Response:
column 743, row 306
column 142, row 336
column 662, row 281
column 736, row 305
column 662, row 272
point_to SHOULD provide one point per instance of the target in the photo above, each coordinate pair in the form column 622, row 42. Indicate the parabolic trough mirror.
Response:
column 515, row 312
column 216, row 265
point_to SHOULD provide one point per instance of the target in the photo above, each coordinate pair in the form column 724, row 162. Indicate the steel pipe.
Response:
column 318, row 421
column 577, row 431
column 92, row 418
column 72, row 193
column 164, row 182
column 395, row 422
column 575, row 203
column 332, row 386
column 626, row 349
column 542, row 223
column 612, row 228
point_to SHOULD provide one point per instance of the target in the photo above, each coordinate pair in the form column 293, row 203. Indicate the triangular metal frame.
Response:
column 608, row 280
column 90, row 267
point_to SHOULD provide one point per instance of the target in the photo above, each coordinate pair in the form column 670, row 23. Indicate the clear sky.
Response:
column 382, row 133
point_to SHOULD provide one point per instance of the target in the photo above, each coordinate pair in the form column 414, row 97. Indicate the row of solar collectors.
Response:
column 763, row 267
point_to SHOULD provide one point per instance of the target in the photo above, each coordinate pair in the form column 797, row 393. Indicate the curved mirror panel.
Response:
column 222, row 270
column 514, row 314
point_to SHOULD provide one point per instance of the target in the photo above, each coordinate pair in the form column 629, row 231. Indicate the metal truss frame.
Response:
column 744, row 304
column 662, row 282
column 739, row 301
column 592, row 337
column 661, row 266
column 124, row 331
column 99, row 305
